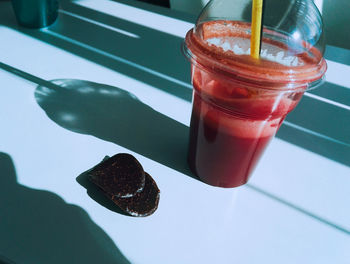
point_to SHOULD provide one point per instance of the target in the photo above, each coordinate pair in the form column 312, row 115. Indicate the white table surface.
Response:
column 295, row 208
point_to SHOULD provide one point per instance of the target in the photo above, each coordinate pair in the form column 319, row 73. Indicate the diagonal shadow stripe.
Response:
column 333, row 92
column 337, row 54
column 53, row 97
column 323, row 118
column 299, row 209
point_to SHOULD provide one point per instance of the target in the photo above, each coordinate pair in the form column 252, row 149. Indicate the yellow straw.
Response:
column 256, row 28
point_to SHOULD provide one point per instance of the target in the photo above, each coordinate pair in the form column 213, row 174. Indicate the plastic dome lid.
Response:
column 292, row 44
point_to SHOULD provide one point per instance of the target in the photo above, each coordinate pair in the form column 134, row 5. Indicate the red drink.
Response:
column 239, row 103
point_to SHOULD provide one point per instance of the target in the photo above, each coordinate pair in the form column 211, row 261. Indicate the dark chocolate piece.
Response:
column 119, row 176
column 143, row 203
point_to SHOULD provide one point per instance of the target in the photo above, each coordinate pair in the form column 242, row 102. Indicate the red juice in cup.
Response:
column 240, row 102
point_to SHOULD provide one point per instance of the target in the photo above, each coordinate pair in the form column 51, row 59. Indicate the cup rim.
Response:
column 262, row 73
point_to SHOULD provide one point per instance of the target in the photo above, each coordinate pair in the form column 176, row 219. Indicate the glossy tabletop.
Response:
column 109, row 77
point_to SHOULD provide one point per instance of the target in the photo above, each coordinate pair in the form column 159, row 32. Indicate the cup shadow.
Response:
column 117, row 116
column 151, row 65
column 39, row 227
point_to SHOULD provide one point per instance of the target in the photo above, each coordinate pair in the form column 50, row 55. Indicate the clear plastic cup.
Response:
column 239, row 102
column 35, row 13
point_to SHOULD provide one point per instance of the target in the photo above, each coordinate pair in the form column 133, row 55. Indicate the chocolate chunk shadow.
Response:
column 96, row 194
